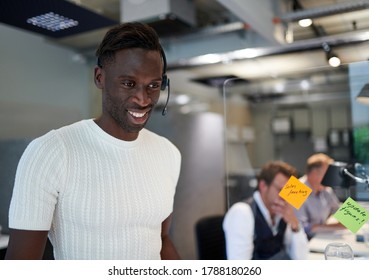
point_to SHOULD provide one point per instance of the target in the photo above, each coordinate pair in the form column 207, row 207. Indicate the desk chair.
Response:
column 210, row 238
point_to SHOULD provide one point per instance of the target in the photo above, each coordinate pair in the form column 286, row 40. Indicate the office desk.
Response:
column 4, row 239
column 318, row 243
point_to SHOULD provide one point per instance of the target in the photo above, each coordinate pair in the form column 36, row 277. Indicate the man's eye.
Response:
column 128, row 83
column 154, row 85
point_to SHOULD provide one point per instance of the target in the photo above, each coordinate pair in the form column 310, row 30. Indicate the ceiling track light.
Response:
column 332, row 58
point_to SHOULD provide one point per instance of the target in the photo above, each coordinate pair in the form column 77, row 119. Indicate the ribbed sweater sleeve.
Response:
column 38, row 180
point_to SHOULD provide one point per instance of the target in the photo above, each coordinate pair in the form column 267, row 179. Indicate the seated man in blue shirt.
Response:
column 322, row 202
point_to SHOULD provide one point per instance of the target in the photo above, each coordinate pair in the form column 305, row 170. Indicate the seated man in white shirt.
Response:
column 265, row 226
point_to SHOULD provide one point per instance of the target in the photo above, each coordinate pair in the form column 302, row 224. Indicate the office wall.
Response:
column 42, row 85
column 10, row 153
column 200, row 190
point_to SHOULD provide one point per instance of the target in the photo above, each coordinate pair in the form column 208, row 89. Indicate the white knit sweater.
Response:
column 100, row 197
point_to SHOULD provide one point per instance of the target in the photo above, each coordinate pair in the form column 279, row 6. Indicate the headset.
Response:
column 165, row 81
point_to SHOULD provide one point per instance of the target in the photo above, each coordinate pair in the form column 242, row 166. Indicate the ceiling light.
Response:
column 182, row 99
column 246, row 53
column 363, row 96
column 52, row 21
column 333, row 60
column 279, row 87
column 306, row 22
column 304, row 84
column 207, row 59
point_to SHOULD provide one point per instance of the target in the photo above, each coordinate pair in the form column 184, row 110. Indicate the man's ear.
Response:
column 262, row 186
column 98, row 77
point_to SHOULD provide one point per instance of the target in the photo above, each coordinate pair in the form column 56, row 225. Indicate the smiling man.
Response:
column 103, row 188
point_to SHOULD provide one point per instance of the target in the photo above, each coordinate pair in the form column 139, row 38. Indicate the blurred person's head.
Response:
column 271, row 179
column 316, row 166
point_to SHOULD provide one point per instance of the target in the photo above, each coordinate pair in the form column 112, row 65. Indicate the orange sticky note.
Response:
column 295, row 192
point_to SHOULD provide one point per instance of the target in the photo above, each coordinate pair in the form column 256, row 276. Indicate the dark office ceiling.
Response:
column 339, row 22
column 342, row 24
column 52, row 18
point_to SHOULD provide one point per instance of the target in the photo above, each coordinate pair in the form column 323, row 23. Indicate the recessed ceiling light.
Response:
column 334, row 60
column 304, row 84
column 182, row 99
column 306, row 22
column 52, row 21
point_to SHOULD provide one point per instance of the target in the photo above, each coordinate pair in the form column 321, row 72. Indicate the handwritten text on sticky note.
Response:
column 352, row 215
column 295, row 192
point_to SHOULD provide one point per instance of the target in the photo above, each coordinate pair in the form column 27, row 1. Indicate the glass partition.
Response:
column 240, row 178
column 289, row 118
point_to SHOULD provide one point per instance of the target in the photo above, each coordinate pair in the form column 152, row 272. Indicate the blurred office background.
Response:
column 248, row 85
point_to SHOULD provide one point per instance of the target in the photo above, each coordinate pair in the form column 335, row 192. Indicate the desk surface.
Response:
column 318, row 243
column 4, row 239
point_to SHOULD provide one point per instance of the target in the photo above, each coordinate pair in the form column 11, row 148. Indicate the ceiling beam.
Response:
column 258, row 14
column 254, row 52
column 327, row 10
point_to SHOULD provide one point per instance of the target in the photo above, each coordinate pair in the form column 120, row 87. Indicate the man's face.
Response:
column 316, row 177
column 270, row 194
column 131, row 88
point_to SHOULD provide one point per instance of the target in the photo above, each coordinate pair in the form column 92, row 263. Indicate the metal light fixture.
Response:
column 52, row 21
column 332, row 58
column 340, row 174
column 363, row 96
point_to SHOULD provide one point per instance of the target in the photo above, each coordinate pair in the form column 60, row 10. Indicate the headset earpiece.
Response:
column 165, row 79
column 164, row 82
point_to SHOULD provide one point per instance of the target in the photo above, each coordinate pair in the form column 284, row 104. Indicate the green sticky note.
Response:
column 352, row 215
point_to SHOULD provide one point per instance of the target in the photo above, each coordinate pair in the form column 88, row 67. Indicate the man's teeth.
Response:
column 137, row 115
